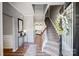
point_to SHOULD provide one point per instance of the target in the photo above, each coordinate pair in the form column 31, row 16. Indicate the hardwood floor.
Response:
column 38, row 40
column 19, row 52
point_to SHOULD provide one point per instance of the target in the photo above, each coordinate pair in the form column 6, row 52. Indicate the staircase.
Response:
column 52, row 46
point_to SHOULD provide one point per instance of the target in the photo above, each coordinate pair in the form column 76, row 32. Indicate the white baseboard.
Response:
column 15, row 49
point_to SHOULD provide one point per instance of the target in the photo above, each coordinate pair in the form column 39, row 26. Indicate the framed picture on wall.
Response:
column 20, row 25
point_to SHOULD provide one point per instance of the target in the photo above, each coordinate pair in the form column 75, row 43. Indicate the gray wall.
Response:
column 29, row 27
column 7, row 25
column 54, row 12
column 11, row 11
column 7, row 31
column 1, row 30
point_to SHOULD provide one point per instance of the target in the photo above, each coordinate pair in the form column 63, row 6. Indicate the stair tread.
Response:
column 50, row 45
column 53, row 49
column 52, row 54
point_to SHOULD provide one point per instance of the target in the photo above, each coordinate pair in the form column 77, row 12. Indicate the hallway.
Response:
column 52, row 46
column 34, row 29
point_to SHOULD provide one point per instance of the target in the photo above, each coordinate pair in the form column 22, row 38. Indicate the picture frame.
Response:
column 20, row 25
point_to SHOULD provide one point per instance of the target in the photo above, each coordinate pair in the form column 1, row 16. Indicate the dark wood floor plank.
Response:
column 19, row 52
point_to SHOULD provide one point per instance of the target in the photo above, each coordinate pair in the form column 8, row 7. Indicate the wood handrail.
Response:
column 43, row 31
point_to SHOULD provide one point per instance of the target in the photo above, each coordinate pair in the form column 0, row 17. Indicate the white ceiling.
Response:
column 39, row 10
column 23, row 7
column 26, row 7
